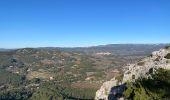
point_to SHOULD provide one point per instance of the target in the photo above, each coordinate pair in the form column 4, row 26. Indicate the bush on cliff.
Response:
column 155, row 88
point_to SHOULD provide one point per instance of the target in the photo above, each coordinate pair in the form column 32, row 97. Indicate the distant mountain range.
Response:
column 114, row 49
column 2, row 49
column 117, row 49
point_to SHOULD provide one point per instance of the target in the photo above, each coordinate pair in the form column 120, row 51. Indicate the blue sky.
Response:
column 70, row 23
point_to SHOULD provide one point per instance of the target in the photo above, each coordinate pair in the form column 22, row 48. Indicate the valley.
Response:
column 64, row 73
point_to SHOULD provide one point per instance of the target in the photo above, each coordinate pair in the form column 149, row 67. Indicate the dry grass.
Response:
column 36, row 74
column 94, row 85
column 141, row 63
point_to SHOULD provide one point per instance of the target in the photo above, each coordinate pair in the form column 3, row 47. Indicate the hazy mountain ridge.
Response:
column 118, row 49
column 2, row 49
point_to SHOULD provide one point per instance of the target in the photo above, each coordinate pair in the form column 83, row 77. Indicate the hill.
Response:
column 33, row 73
column 147, row 79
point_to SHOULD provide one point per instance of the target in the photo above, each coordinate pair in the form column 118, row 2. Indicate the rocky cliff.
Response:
column 104, row 91
column 142, row 69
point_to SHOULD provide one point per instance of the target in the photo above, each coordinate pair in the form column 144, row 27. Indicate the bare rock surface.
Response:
column 141, row 69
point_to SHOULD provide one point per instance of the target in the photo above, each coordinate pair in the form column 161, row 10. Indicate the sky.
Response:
column 78, row 23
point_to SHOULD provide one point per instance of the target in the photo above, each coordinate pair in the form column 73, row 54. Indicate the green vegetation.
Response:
column 49, row 91
column 7, row 77
column 157, row 59
column 54, row 91
column 157, row 87
column 87, row 65
column 141, row 63
column 167, row 56
column 167, row 47
column 17, row 94
column 31, row 64
column 50, row 74
column 119, row 78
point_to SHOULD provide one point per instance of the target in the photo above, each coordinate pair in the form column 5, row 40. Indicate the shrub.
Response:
column 119, row 78
column 157, row 59
column 167, row 56
column 141, row 63
column 129, row 91
column 16, row 94
column 155, row 88
column 133, row 76
column 151, row 71
column 8, row 77
column 167, row 47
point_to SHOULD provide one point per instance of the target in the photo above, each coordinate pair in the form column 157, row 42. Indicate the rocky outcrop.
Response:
column 104, row 91
column 148, row 65
column 142, row 69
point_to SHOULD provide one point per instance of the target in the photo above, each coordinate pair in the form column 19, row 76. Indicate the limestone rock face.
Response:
column 141, row 69
column 104, row 91
column 147, row 65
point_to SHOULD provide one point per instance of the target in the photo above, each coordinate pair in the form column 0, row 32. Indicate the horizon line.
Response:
column 87, row 46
